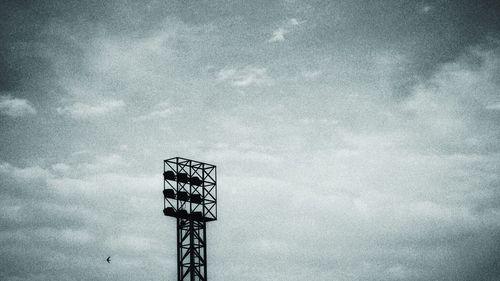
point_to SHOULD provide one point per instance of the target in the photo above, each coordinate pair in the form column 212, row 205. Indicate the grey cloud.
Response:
column 85, row 111
column 246, row 76
column 49, row 221
column 278, row 35
column 15, row 107
column 454, row 102
column 160, row 111
column 288, row 26
column 494, row 106
column 363, row 147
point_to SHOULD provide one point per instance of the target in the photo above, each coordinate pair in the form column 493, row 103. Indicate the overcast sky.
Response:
column 354, row 140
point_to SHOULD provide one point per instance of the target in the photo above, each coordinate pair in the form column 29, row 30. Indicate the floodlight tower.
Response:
column 190, row 196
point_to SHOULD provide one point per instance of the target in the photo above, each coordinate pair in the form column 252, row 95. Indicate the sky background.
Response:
column 354, row 140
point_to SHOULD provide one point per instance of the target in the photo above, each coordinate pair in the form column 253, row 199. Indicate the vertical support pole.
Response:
column 179, row 228
column 179, row 250
column 191, row 250
column 205, row 250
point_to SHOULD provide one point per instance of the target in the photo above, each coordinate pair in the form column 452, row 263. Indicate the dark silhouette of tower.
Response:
column 190, row 193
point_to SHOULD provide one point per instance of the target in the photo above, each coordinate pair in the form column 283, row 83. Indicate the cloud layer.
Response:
column 354, row 140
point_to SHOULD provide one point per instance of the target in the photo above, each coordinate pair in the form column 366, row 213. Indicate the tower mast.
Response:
column 190, row 196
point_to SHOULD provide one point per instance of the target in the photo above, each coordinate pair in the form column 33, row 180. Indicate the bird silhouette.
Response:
column 108, row 259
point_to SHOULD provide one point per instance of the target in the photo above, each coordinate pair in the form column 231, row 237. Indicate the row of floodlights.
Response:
column 183, row 214
column 183, row 196
column 182, row 177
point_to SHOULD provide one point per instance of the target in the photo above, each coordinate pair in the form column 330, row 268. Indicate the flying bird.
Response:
column 108, row 259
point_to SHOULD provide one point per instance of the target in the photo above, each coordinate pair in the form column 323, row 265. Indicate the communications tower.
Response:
column 190, row 196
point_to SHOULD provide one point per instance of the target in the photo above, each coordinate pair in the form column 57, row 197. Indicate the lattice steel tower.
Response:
column 190, row 192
